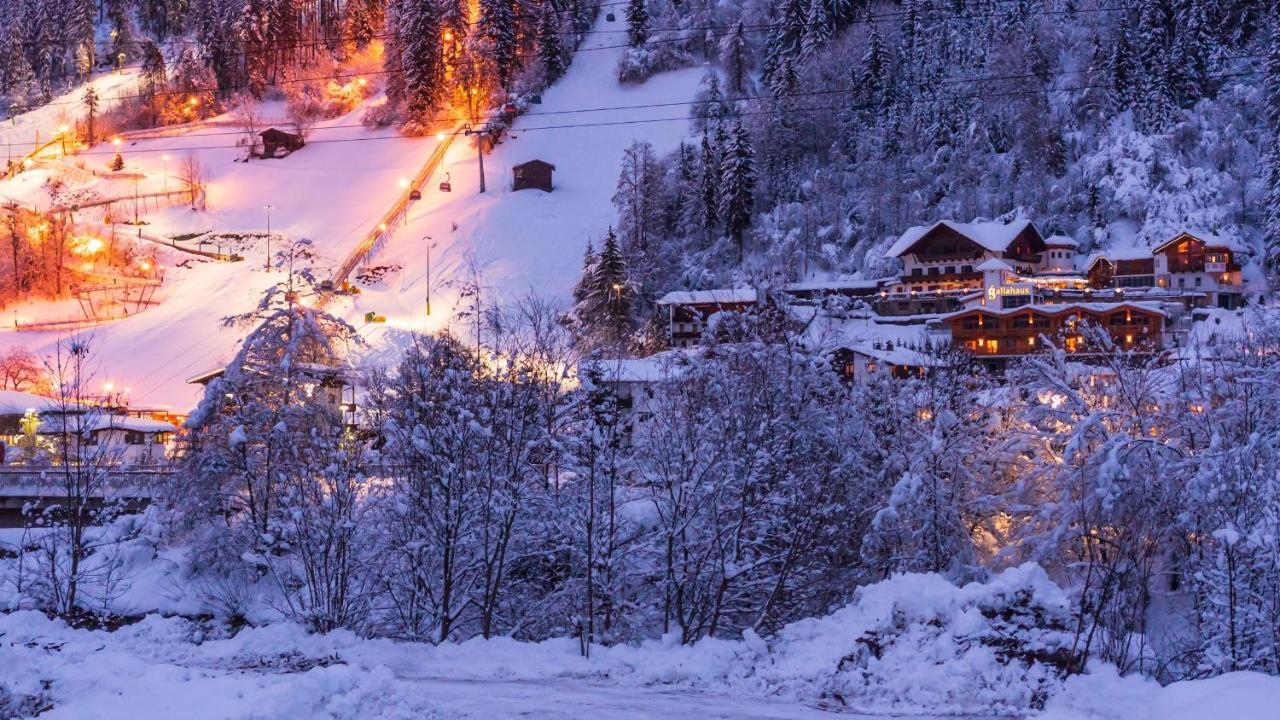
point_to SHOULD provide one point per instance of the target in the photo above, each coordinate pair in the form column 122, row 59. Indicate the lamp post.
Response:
column 268, row 209
column 426, row 239
column 479, row 148
column 165, row 158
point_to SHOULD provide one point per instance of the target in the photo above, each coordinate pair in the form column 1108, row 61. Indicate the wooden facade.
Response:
column 1002, row 334
column 274, row 139
column 533, row 174
column 945, row 259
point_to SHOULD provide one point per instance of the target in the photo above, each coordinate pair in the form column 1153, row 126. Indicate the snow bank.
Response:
column 1103, row 695
column 914, row 644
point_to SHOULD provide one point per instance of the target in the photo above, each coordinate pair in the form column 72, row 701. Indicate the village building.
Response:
column 534, row 174
column 998, row 291
column 1204, row 263
column 994, row 335
column 868, row 359
column 689, row 311
column 274, row 140
column 946, row 256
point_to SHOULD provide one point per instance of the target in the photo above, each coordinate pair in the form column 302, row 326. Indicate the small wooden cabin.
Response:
column 533, row 174
column 274, row 139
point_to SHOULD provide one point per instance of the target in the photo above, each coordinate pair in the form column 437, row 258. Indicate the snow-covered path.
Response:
column 559, row 699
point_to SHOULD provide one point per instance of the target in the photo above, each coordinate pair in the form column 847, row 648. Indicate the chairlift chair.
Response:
column 445, row 185
column 610, row 17
column 536, row 99
column 415, row 194
column 509, row 109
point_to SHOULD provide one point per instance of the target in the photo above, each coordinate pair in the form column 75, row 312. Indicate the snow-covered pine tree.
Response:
column 550, row 47
column 251, row 31
column 1271, row 87
column 709, row 181
column 781, row 160
column 498, row 25
column 454, row 18
column 786, row 36
column 420, row 59
column 1156, row 108
column 733, row 53
column 1123, row 70
column 610, row 295
column 123, row 43
column 637, row 22
column 1196, row 50
column 361, row 20
column 737, row 185
column 153, row 69
column 818, row 29
column 582, row 288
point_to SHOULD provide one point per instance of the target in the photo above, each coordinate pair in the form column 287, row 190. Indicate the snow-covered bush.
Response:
column 640, row 63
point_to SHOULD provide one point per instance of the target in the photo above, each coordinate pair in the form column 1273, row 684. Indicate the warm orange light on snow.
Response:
column 86, row 245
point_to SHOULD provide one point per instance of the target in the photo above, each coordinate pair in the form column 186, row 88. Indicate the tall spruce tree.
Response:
column 737, row 185
column 637, row 22
column 733, row 52
column 499, row 27
column 550, row 47
column 709, row 173
column 419, row 57
column 609, row 296
column 1271, row 229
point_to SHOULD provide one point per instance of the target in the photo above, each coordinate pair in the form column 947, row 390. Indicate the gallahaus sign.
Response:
column 995, row 291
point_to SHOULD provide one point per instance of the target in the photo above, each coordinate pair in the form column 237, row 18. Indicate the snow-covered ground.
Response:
column 21, row 132
column 172, row 667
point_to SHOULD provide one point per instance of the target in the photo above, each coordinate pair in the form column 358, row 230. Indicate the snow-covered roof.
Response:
column 96, row 421
column 723, row 296
column 1060, row 308
column 661, row 366
column 895, row 354
column 14, row 402
column 126, row 422
column 817, row 285
column 1061, row 241
column 1211, row 240
column 993, row 236
column 994, row 264
column 1121, row 253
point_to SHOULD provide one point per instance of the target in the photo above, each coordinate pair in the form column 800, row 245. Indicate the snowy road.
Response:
column 563, row 698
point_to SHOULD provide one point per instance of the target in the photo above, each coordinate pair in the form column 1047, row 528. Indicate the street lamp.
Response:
column 404, row 184
column 268, row 209
column 427, row 240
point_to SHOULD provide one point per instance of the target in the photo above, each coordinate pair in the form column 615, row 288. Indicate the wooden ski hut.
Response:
column 533, row 174
column 274, row 139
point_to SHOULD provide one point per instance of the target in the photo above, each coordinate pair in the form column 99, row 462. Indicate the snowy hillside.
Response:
column 334, row 191
column 530, row 242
